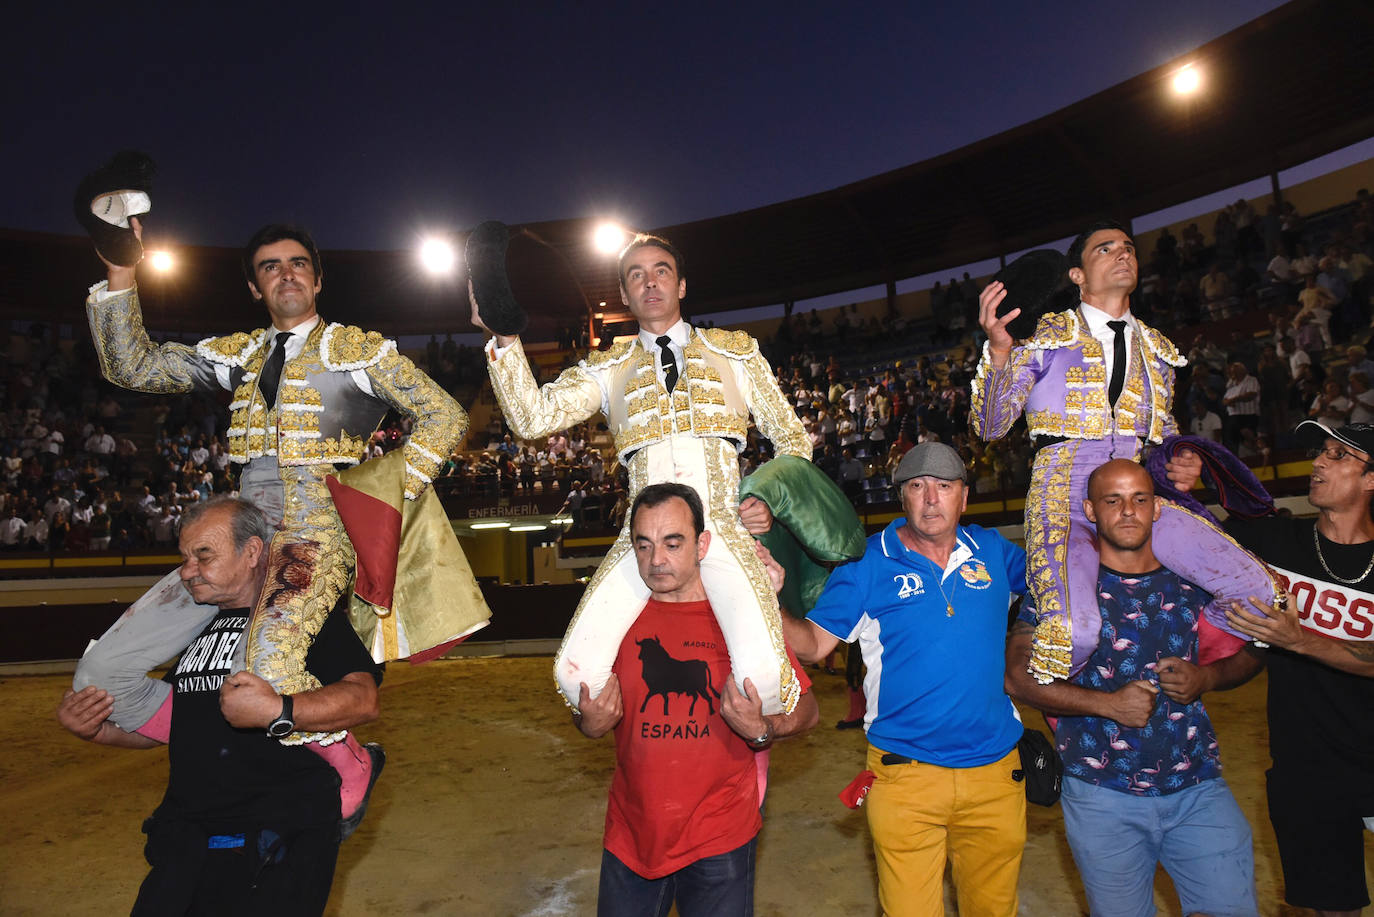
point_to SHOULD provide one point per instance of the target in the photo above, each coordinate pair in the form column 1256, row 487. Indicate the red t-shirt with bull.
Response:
column 686, row 786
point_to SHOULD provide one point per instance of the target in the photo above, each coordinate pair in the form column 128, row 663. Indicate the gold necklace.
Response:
column 949, row 606
column 939, row 576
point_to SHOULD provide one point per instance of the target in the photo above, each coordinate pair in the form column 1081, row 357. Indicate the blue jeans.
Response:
column 717, row 886
column 1198, row 835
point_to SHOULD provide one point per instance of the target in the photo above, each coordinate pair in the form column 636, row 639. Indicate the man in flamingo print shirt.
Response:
column 1144, row 769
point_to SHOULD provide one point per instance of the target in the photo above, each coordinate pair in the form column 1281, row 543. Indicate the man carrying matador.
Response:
column 306, row 397
column 1096, row 384
column 678, row 401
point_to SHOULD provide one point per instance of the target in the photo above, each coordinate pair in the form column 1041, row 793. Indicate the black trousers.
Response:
column 286, row 873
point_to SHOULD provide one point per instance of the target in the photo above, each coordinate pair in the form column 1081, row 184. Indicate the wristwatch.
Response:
column 759, row 743
column 283, row 725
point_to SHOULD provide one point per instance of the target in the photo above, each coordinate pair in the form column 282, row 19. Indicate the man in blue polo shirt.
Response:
column 928, row 604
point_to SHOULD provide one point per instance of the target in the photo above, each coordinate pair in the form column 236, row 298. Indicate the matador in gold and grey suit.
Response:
column 336, row 385
column 691, row 435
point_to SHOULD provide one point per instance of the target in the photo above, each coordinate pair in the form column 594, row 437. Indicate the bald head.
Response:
column 1121, row 502
column 1133, row 471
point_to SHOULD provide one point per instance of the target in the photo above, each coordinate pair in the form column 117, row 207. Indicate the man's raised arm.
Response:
column 128, row 358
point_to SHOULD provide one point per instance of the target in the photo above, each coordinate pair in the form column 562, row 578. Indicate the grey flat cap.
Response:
column 934, row 460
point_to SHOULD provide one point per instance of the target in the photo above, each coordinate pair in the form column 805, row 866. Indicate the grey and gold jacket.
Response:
column 324, row 413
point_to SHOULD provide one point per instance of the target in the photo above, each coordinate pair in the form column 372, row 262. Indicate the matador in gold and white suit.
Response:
column 336, row 386
column 691, row 436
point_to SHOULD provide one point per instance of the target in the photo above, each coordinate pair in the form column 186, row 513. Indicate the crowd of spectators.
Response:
column 1295, row 345
column 1264, row 314
column 1275, row 310
column 579, row 464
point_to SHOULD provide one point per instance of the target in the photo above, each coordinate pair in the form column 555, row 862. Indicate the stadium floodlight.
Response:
column 437, row 255
column 490, row 525
column 609, row 238
column 161, row 261
column 1187, row 81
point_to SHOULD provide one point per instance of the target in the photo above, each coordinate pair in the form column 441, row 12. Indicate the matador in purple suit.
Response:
column 1095, row 384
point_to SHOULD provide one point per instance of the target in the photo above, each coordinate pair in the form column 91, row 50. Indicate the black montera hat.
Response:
column 486, row 258
column 1037, row 283
column 108, row 197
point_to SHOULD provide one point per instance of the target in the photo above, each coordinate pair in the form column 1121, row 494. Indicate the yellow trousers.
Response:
column 920, row 814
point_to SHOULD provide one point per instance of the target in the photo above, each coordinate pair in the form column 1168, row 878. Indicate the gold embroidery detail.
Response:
column 351, row 344
column 641, row 403
column 599, row 358
column 722, row 476
column 299, row 422
column 702, row 371
column 288, row 396
column 299, row 451
column 700, row 394
column 232, row 345
column 774, row 416
column 1052, row 651
column 1047, row 524
column 534, row 412
column 729, row 343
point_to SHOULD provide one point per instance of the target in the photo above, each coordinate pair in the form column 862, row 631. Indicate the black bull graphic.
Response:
column 665, row 675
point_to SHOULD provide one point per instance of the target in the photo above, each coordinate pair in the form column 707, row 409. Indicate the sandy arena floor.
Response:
column 492, row 804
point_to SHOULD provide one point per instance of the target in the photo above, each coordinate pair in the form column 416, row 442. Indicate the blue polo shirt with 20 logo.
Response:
column 935, row 678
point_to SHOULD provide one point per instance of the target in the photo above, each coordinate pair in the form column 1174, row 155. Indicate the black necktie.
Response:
column 270, row 376
column 1118, row 361
column 665, row 354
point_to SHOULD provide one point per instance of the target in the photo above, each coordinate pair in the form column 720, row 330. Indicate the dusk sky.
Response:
column 371, row 124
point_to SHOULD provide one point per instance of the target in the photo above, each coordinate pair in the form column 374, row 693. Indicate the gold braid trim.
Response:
column 346, row 348
column 773, row 415
column 598, row 359
column 129, row 358
column 639, row 477
column 233, row 349
column 1051, row 650
column 439, row 421
column 295, row 600
column 734, row 344
column 1047, row 523
column 534, row 412
column 740, row 543
column 1053, row 331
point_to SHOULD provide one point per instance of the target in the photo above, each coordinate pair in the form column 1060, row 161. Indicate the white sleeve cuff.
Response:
column 101, row 291
column 496, row 352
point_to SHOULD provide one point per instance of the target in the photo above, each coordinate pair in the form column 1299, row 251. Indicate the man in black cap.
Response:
column 1321, row 671
column 928, row 604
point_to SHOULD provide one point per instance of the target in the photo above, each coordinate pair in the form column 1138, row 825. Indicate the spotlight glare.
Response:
column 1187, row 81
column 160, row 261
column 437, row 256
column 608, row 238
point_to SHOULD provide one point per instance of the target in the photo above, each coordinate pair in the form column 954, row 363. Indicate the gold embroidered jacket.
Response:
column 725, row 379
column 321, row 417
column 1059, row 377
